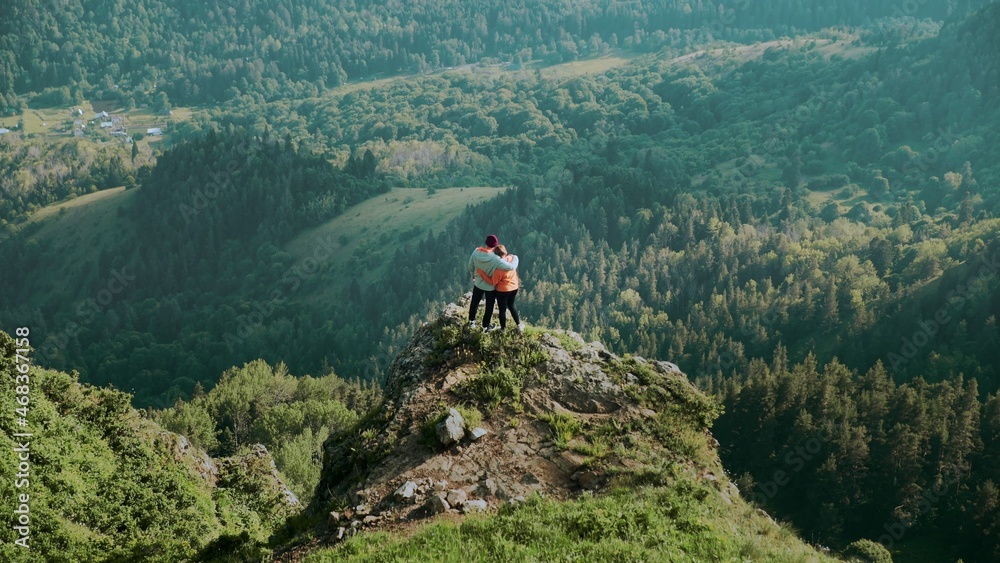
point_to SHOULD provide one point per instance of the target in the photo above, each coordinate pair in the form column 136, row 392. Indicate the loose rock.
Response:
column 488, row 487
column 457, row 497
column 478, row 432
column 405, row 492
column 437, row 505
column 475, row 505
column 450, row 430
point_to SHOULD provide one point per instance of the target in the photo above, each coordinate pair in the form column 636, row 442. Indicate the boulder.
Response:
column 488, row 487
column 450, row 430
column 405, row 492
column 475, row 505
column 457, row 497
column 437, row 505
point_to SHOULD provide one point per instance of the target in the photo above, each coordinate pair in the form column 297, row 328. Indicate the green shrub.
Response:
column 562, row 426
column 493, row 385
column 867, row 551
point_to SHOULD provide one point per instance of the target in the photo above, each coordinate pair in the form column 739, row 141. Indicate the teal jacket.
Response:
column 483, row 259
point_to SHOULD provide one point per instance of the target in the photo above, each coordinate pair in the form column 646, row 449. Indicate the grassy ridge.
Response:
column 682, row 522
column 367, row 235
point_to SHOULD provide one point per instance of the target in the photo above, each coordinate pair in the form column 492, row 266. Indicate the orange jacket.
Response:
column 503, row 280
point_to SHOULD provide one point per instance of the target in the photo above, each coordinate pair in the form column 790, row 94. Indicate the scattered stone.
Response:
column 340, row 532
column 348, row 513
column 370, row 519
column 334, row 518
column 518, row 499
column 450, row 430
column 529, row 479
column 764, row 513
column 589, row 480
column 362, row 510
column 457, row 497
column 355, row 523
column 488, row 487
column 437, row 505
column 440, row 486
column 475, row 505
column 568, row 461
column 406, row 492
column 478, row 432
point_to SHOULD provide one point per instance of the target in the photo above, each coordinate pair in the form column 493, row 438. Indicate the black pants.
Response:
column 477, row 296
column 506, row 301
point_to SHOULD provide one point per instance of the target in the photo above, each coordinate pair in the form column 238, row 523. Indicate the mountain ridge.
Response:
column 558, row 423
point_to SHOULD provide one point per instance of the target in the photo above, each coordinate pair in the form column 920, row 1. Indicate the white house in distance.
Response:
column 102, row 115
column 154, row 131
column 4, row 130
column 106, row 124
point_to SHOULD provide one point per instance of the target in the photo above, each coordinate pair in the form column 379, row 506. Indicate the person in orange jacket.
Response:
column 484, row 259
column 506, row 283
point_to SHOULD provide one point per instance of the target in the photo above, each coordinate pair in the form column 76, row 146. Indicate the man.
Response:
column 484, row 259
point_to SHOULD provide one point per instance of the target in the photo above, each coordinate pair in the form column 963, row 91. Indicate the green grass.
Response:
column 56, row 123
column 68, row 236
column 595, row 65
column 505, row 361
column 681, row 522
column 366, row 236
column 563, row 427
column 67, row 239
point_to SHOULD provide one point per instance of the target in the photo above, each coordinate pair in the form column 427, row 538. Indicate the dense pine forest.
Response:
column 213, row 51
column 797, row 205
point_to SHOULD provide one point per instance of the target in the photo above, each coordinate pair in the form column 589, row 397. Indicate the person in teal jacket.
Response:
column 483, row 258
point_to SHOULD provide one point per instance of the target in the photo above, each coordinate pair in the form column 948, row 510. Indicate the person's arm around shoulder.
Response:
column 503, row 264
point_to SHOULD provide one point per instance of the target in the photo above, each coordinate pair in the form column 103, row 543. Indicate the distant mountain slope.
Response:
column 197, row 52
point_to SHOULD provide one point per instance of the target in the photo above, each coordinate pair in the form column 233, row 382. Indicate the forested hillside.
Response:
column 163, row 51
column 826, row 200
column 101, row 482
column 842, row 454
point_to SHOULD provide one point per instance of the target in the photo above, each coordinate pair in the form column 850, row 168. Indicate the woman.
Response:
column 507, row 284
column 484, row 260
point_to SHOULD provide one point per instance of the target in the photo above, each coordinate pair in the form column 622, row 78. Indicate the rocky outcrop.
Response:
column 559, row 416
